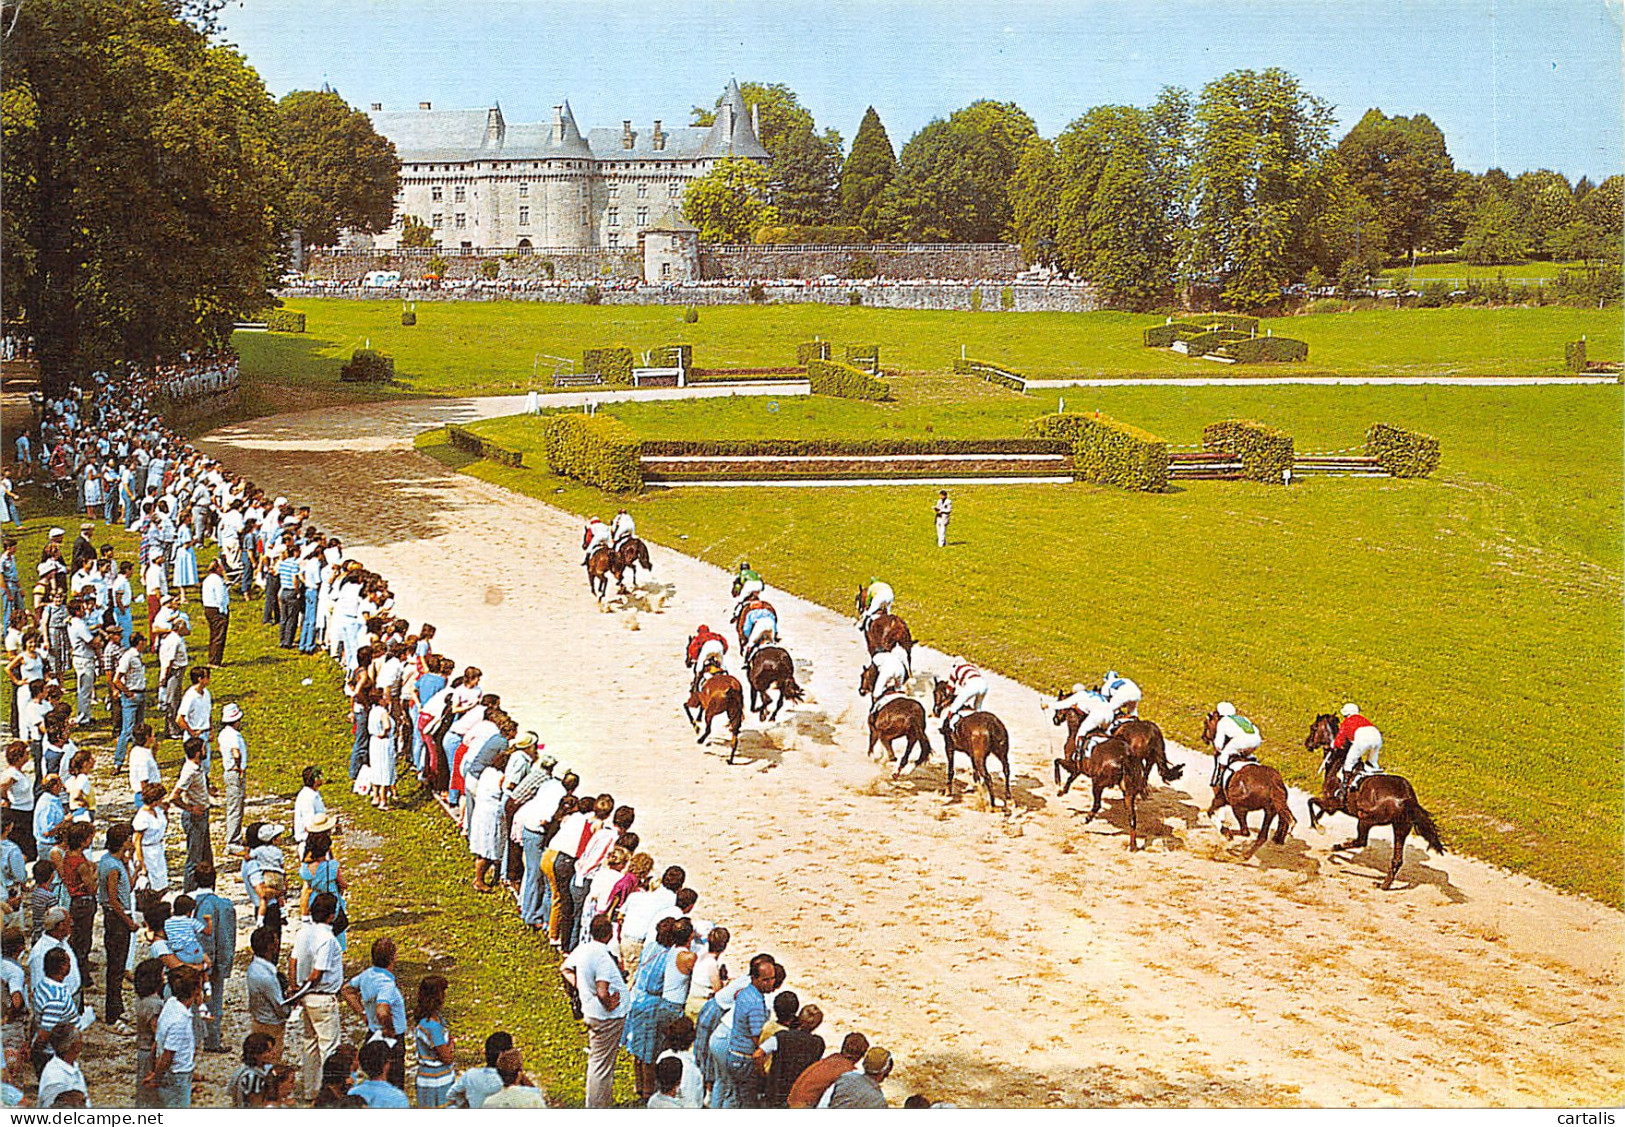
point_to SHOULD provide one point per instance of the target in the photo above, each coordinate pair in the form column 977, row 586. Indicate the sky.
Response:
column 1515, row 84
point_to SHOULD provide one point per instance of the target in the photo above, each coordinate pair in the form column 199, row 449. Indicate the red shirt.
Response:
column 1345, row 733
column 700, row 639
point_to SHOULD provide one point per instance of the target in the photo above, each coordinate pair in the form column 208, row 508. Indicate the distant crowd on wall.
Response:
column 646, row 971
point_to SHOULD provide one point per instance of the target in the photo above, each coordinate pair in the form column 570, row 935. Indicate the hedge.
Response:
column 597, row 449
column 471, row 443
column 843, row 380
column 614, row 364
column 671, row 356
column 1262, row 451
column 737, row 375
column 827, row 235
column 408, row 318
column 367, row 365
column 283, row 321
column 992, row 373
column 808, row 447
column 1107, row 451
column 1267, row 350
column 1402, row 453
column 1163, row 336
column 866, row 356
column 1574, row 355
column 1200, row 344
column 811, row 350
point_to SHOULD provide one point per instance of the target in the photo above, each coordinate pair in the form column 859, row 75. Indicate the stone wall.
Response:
column 605, row 264
column 922, row 260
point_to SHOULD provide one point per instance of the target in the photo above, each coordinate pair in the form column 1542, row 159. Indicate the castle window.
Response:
column 643, row 217
column 665, row 269
column 643, row 191
column 462, row 221
column 459, row 194
column 437, row 193
column 614, row 217
column 614, row 238
column 524, row 217
column 674, row 189
column 437, row 221
column 614, row 191
column 524, row 191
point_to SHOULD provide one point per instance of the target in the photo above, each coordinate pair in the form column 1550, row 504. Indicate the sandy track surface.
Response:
column 1023, row 961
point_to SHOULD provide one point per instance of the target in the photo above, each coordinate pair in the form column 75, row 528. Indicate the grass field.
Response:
column 488, row 347
column 1523, row 272
column 1476, row 615
column 409, row 876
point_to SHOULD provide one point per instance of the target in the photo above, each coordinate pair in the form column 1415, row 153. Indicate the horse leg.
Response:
column 1316, row 810
column 948, row 750
column 1099, row 794
column 1263, row 832
column 1358, row 842
column 706, row 734
column 780, row 706
column 733, row 743
column 1133, row 817
column 1402, row 830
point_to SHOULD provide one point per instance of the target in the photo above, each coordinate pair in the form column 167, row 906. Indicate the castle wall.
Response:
column 945, row 260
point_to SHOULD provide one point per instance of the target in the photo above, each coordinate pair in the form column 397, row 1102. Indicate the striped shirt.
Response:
column 432, row 1071
column 287, row 573
column 53, row 1003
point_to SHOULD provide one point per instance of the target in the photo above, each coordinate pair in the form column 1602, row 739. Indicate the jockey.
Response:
column 705, row 650
column 1234, row 740
column 1360, row 740
column 1122, row 695
column 760, row 628
column 970, row 687
column 1096, row 711
column 750, row 585
column 596, row 536
column 621, row 528
column 877, row 601
column 891, row 675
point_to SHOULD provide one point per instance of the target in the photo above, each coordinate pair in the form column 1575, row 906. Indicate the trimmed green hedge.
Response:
column 1163, row 336
column 845, row 381
column 865, row 356
column 992, row 373
column 409, row 318
column 790, row 447
column 737, row 375
column 1574, row 355
column 1402, row 453
column 811, row 350
column 471, row 443
column 597, row 449
column 1200, row 344
column 614, row 364
column 1267, row 350
column 1262, row 451
column 1108, row 452
column 671, row 356
column 368, row 365
column 283, row 321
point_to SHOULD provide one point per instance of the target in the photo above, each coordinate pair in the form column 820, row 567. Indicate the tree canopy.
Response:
column 803, row 178
column 341, row 173
column 729, row 202
column 953, row 181
column 1401, row 166
column 870, row 167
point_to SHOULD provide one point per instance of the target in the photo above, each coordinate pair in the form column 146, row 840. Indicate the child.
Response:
column 184, row 933
column 264, row 877
column 669, row 1073
column 149, row 1003
column 46, row 895
column 680, row 1047
column 251, row 1083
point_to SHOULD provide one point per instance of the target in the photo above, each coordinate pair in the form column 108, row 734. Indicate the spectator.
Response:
column 191, row 796
column 250, row 1084
column 115, row 893
column 320, row 872
column 680, row 1047
column 308, row 806
column 220, row 946
column 861, row 1089
column 151, row 825
column 592, row 970
column 375, row 1089
column 143, row 763
column 175, row 1042
column 234, row 765
column 130, row 690
column 517, row 1089
column 375, row 996
column 435, row 1047
column 317, row 963
column 337, row 1072
column 62, row 1073
column 669, row 1074
column 811, row 1085
column 477, row 1084
column 267, row 1008
column 217, row 610
column 281, row 1086
column 53, row 1003
column 793, row 1049
column 56, row 927
column 640, row 911
column 148, row 981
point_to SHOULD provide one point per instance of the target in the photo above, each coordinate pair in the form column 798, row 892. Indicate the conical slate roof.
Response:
column 731, row 134
column 671, row 221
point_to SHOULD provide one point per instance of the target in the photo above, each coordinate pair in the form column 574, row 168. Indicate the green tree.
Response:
column 1257, row 165
column 416, row 233
column 953, row 182
column 1604, row 206
column 1494, row 236
column 1544, row 202
column 869, row 168
column 729, row 203
column 1035, row 203
column 1402, row 167
column 342, row 174
column 803, row 178
column 1579, row 241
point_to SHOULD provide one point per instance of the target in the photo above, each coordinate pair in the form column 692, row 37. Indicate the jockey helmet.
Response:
column 704, row 629
column 1080, row 687
column 1225, row 708
column 1111, row 675
column 1351, row 709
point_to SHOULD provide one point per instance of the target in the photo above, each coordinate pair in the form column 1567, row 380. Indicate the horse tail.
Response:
column 1423, row 823
column 643, row 557
column 1170, row 772
column 791, row 690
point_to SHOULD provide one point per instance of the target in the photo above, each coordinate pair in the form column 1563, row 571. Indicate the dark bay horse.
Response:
column 980, row 735
column 600, row 566
column 1110, row 763
column 719, row 695
column 632, row 554
column 771, row 667
column 1376, row 800
column 886, row 631
column 1142, row 737
column 899, row 718
column 1252, row 786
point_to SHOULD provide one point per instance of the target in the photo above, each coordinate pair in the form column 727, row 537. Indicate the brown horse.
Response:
column 899, row 718
column 980, row 735
column 600, row 566
column 886, row 631
column 1250, row 787
column 720, row 694
column 771, row 667
column 1110, row 763
column 1376, row 800
column 1144, row 740
column 632, row 554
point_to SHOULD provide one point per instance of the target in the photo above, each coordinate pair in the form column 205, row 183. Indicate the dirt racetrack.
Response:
column 1023, row 962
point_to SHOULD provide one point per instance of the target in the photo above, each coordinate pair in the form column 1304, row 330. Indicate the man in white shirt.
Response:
column 317, row 962
column 58, row 927
column 62, row 1072
column 143, row 762
column 639, row 911
column 217, row 611
column 234, row 763
column 130, row 683
column 175, row 1041
column 308, row 805
column 591, row 969
column 173, row 661
column 194, row 714
column 83, row 641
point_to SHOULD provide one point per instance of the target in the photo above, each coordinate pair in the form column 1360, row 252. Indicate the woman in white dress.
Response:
column 381, row 750
column 185, row 568
column 485, row 836
column 151, row 822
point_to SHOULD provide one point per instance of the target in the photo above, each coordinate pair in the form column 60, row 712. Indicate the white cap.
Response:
column 1351, row 709
column 1080, row 687
column 230, row 714
column 280, row 501
column 55, row 532
column 1225, row 708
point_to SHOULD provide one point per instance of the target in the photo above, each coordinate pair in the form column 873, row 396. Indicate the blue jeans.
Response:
column 175, row 1090
column 133, row 708
column 307, row 628
column 533, row 889
column 108, row 506
column 358, row 750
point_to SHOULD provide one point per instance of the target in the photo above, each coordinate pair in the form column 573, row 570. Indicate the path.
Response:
column 1029, row 961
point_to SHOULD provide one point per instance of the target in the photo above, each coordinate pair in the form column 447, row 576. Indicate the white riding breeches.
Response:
column 1365, row 744
column 968, row 697
column 880, row 600
column 765, row 629
column 714, row 647
column 746, row 593
column 1126, row 697
column 1236, row 745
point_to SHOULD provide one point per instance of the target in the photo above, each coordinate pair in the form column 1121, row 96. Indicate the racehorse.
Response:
column 1109, row 763
column 1251, row 786
column 745, row 612
column 720, row 694
column 771, row 667
column 979, row 735
column 1376, row 800
column 900, row 717
column 600, row 566
column 632, row 554
column 886, row 631
column 1145, row 740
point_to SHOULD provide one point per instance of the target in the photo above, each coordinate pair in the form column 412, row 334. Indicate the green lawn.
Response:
column 503, row 347
column 1523, row 272
column 1476, row 615
column 409, row 875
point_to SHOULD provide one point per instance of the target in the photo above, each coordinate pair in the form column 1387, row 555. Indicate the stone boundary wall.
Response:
column 604, row 265
column 986, row 261
column 957, row 296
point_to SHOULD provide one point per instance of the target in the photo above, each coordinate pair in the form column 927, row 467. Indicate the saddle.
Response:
column 1351, row 783
column 1228, row 771
column 883, row 700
